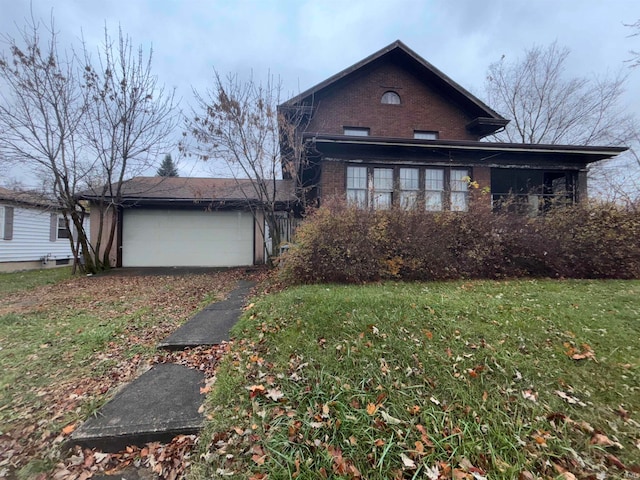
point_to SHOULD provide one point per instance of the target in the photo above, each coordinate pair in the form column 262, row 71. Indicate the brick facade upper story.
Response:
column 429, row 102
column 356, row 102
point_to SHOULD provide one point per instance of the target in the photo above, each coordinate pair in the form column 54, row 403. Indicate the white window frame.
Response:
column 357, row 186
column 356, row 131
column 434, row 189
column 459, row 186
column 382, row 188
column 62, row 227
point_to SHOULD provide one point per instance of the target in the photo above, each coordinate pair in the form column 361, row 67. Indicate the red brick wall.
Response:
column 357, row 104
column 482, row 175
column 333, row 179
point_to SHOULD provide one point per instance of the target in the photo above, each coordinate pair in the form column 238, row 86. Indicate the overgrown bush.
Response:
column 338, row 243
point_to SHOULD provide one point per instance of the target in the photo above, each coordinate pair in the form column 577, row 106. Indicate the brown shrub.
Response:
column 344, row 244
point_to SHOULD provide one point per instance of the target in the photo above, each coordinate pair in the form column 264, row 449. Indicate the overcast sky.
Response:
column 305, row 41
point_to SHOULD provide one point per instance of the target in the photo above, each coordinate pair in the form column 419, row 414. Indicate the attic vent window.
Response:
column 390, row 98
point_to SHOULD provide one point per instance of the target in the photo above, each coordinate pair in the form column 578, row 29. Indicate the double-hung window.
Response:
column 357, row 186
column 459, row 185
column 409, row 187
column 6, row 223
column 434, row 189
column 382, row 188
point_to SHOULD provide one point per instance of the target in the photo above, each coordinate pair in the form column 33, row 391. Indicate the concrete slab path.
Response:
column 210, row 326
column 164, row 401
column 160, row 404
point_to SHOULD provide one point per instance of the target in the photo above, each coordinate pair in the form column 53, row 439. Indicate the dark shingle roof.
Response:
column 178, row 189
column 26, row 198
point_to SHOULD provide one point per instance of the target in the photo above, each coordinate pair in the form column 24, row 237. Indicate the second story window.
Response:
column 390, row 98
column 425, row 135
column 356, row 131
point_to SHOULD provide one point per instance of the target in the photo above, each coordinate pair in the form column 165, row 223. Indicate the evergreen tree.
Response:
column 167, row 167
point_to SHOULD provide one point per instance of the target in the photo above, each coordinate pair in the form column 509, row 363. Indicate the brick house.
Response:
column 394, row 130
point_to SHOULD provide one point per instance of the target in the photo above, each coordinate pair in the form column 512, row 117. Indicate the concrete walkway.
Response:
column 165, row 401
column 210, row 326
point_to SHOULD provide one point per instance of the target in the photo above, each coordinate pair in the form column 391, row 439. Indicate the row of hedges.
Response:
column 337, row 243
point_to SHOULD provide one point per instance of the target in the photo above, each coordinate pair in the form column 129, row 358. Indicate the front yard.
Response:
column 464, row 380
column 66, row 344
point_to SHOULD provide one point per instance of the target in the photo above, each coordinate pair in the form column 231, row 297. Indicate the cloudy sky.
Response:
column 305, row 41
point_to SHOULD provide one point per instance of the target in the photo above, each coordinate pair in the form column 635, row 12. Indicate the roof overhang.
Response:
column 588, row 154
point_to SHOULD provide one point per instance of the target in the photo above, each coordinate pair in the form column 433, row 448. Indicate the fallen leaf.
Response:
column 432, row 473
column 274, row 394
column 530, row 395
column 414, row 410
column 604, row 441
column 389, row 419
column 407, row 462
column 564, row 473
column 68, row 430
column 613, row 460
column 570, row 399
column 372, row 408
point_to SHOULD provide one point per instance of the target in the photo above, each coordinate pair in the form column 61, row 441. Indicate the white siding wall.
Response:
column 31, row 237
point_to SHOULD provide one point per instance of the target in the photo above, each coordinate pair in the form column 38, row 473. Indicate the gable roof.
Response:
column 401, row 52
column 190, row 191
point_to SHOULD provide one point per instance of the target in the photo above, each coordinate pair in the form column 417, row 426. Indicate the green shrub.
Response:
column 344, row 244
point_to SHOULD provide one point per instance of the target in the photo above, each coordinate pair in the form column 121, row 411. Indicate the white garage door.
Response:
column 169, row 238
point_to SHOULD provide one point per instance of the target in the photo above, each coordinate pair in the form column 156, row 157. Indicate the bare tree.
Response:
column 130, row 118
column 41, row 111
column 76, row 128
column 239, row 122
column 545, row 105
column 634, row 61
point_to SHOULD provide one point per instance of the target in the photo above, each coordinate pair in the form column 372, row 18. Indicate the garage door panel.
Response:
column 153, row 238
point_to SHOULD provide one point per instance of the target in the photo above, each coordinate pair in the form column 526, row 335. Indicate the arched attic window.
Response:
column 390, row 98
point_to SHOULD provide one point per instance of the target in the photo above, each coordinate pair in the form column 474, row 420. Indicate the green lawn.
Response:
column 28, row 280
column 431, row 380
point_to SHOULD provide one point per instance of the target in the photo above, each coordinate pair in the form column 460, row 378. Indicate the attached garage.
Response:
column 187, row 238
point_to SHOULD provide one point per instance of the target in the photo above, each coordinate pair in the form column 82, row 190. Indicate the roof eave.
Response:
column 593, row 151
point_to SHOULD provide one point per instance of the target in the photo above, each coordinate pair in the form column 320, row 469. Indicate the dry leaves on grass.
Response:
column 166, row 301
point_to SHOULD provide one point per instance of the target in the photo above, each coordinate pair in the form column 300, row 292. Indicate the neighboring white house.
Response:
column 32, row 233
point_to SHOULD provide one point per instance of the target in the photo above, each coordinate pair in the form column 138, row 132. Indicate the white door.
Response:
column 174, row 238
